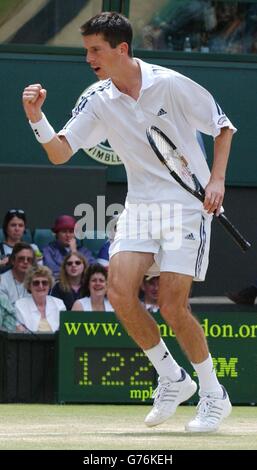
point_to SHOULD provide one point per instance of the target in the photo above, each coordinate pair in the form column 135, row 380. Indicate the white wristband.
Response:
column 43, row 130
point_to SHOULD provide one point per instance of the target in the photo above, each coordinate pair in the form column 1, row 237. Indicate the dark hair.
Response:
column 10, row 215
column 92, row 269
column 19, row 247
column 114, row 27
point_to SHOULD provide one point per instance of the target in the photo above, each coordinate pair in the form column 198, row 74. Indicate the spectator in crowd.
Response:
column 150, row 288
column 14, row 227
column 103, row 254
column 153, row 35
column 72, row 275
column 95, row 289
column 246, row 296
column 12, row 285
column 7, row 315
column 65, row 243
column 38, row 312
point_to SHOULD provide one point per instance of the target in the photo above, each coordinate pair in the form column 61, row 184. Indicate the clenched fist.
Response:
column 33, row 98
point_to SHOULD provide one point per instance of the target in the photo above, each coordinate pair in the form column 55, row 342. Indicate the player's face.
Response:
column 103, row 59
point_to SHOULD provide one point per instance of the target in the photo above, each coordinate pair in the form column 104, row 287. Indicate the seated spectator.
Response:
column 12, row 285
column 12, row 282
column 103, row 254
column 65, row 243
column 7, row 315
column 39, row 312
column 72, row 276
column 14, row 227
column 95, row 289
column 150, row 288
column 246, row 296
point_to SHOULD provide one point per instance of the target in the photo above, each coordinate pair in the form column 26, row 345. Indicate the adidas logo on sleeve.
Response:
column 161, row 112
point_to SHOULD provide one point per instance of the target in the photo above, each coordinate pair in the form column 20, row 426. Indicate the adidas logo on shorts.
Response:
column 190, row 236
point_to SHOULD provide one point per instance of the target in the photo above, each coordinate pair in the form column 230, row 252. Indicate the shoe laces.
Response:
column 208, row 411
column 162, row 393
column 205, row 406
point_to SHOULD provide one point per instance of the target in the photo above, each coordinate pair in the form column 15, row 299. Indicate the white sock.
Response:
column 208, row 381
column 163, row 362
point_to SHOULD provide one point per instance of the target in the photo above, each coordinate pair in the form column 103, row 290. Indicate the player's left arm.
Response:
column 215, row 189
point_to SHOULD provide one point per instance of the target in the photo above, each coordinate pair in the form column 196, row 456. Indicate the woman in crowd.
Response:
column 14, row 227
column 95, row 289
column 39, row 312
column 64, row 244
column 72, row 276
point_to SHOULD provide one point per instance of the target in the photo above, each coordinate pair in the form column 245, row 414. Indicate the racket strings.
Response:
column 174, row 160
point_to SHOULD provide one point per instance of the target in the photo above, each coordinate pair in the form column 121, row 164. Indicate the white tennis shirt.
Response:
column 168, row 100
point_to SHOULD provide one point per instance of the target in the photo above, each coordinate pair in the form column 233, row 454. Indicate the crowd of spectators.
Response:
column 205, row 26
column 37, row 283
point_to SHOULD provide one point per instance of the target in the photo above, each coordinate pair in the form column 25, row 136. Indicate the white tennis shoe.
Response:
column 210, row 413
column 167, row 396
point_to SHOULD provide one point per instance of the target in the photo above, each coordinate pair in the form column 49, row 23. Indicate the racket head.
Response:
column 176, row 163
column 178, row 167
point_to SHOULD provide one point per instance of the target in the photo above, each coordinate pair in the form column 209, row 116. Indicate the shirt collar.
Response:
column 147, row 79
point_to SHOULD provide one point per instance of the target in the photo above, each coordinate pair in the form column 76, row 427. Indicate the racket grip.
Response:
column 234, row 233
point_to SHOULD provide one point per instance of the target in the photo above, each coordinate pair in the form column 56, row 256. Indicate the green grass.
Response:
column 101, row 427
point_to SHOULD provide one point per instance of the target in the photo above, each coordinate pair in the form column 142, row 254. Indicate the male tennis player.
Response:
column 131, row 96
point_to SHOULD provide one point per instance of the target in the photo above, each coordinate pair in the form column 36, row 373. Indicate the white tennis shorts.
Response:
column 178, row 239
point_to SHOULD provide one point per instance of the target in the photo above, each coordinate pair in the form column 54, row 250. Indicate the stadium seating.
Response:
column 94, row 241
column 27, row 237
column 43, row 236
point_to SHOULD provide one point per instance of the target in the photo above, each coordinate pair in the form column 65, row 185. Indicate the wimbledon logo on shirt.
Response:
column 102, row 153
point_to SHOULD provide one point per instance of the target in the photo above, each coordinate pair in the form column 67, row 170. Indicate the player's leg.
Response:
column 214, row 403
column 125, row 275
column 126, row 271
column 174, row 289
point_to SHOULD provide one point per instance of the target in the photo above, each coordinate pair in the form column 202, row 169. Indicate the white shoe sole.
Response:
column 188, row 393
column 209, row 429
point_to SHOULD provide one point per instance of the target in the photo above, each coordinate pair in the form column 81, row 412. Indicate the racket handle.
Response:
column 235, row 234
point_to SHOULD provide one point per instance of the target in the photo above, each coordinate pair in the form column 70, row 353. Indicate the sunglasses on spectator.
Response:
column 16, row 211
column 70, row 263
column 37, row 283
column 23, row 259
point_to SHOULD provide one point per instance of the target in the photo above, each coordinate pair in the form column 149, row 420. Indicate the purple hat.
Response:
column 64, row 222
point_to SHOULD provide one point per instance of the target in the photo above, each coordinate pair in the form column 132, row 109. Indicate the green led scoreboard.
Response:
column 100, row 363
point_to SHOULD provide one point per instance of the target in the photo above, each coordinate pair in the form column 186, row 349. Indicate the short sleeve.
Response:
column 85, row 128
column 199, row 107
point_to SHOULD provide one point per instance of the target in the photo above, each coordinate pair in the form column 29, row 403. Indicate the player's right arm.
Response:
column 56, row 147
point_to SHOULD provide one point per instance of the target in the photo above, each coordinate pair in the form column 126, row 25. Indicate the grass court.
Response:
column 117, row 427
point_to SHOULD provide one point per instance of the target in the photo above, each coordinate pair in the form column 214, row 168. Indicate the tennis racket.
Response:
column 179, row 169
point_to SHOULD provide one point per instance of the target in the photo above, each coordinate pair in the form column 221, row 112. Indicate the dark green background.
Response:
column 242, row 388
column 66, row 75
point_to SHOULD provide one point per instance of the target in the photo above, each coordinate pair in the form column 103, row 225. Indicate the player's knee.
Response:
column 174, row 313
column 116, row 296
column 120, row 298
column 112, row 296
